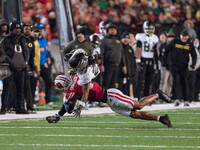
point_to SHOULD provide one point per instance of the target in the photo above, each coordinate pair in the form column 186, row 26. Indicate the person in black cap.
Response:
column 14, row 46
column 166, row 77
column 36, row 72
column 129, row 55
column 112, row 55
column 27, row 28
column 180, row 49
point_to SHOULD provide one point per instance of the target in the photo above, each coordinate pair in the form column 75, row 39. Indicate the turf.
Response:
column 103, row 132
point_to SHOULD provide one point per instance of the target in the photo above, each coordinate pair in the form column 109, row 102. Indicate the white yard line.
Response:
column 103, row 136
column 84, row 145
column 96, row 128
column 116, row 122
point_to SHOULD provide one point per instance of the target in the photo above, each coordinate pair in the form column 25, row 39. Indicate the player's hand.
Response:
column 192, row 66
column 77, row 113
column 102, row 68
column 139, row 66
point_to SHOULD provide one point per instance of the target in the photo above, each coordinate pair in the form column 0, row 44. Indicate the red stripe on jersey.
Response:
column 123, row 96
column 127, row 101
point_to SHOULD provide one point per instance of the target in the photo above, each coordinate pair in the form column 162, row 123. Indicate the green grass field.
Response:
column 104, row 132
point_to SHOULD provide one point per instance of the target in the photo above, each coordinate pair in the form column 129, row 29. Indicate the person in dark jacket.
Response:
column 180, row 49
column 125, row 80
column 112, row 56
column 29, row 70
column 81, row 41
column 15, row 48
column 166, row 76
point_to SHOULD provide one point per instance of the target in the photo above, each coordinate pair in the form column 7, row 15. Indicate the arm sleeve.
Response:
column 68, row 48
column 37, row 57
column 139, row 43
column 123, row 59
column 167, row 50
column 47, row 54
column 193, row 54
column 31, row 60
column 102, row 48
column 3, row 55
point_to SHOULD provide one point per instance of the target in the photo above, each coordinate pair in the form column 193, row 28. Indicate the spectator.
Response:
column 36, row 72
column 45, row 62
column 166, row 77
column 192, row 73
column 30, row 67
column 17, row 56
column 80, row 42
column 180, row 50
column 189, row 26
column 112, row 54
column 129, row 55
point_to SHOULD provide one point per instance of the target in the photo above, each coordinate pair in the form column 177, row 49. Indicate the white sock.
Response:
column 157, row 94
column 158, row 118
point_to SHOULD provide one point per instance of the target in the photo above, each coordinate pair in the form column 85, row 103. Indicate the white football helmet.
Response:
column 79, row 60
column 102, row 28
column 63, row 82
column 148, row 27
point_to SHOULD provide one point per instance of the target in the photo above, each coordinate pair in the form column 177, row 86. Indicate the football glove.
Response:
column 53, row 119
column 77, row 112
column 192, row 66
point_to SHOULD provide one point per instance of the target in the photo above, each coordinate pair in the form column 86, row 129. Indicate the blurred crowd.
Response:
column 41, row 11
column 132, row 13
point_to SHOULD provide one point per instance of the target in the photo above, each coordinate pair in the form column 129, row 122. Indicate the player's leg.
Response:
column 145, row 101
column 146, row 116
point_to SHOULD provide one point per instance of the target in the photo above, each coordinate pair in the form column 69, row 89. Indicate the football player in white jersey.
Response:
column 86, row 68
column 145, row 54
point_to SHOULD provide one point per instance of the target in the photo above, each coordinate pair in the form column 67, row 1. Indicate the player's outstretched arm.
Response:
column 84, row 98
column 66, row 107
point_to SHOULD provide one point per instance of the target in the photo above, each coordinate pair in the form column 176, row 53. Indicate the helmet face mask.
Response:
column 95, row 41
column 148, row 28
column 63, row 82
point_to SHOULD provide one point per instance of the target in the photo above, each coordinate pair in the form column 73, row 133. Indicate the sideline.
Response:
column 97, row 111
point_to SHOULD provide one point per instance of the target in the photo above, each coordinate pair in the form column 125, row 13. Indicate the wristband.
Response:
column 138, row 60
column 82, row 103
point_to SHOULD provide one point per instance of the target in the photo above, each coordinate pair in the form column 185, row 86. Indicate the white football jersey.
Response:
column 147, row 44
column 88, row 74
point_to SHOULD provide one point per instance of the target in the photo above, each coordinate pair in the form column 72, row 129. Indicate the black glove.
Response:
column 192, row 66
column 139, row 66
column 77, row 113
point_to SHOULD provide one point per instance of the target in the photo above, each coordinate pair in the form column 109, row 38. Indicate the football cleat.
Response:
column 177, row 102
column 53, row 119
column 165, row 120
column 186, row 103
column 163, row 96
